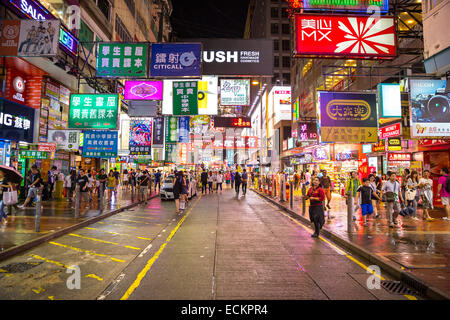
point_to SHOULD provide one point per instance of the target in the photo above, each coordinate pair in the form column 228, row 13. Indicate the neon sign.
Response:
column 340, row 5
column 232, row 122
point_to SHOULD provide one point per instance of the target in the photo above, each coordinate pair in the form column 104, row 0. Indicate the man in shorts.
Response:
column 442, row 191
column 393, row 205
column 143, row 186
column 367, row 194
column 36, row 182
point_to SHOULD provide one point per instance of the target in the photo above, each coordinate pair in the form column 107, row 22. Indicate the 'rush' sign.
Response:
column 352, row 36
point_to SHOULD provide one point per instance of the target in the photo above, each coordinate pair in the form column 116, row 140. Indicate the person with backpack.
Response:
column 444, row 191
column 244, row 181
column 394, row 196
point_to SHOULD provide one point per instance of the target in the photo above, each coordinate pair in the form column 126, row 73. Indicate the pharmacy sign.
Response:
column 93, row 111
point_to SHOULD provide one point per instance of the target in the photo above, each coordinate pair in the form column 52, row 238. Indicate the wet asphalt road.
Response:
column 223, row 247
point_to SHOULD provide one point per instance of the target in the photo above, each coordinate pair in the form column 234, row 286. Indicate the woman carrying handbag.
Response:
column 5, row 186
column 411, row 193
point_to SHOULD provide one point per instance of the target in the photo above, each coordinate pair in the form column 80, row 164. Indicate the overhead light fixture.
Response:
column 255, row 82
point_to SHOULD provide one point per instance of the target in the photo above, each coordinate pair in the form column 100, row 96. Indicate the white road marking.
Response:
column 145, row 251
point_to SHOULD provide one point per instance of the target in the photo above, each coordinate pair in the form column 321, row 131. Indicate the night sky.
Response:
column 209, row 19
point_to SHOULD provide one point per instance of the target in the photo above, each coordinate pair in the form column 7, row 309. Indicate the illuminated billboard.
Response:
column 347, row 5
column 351, row 36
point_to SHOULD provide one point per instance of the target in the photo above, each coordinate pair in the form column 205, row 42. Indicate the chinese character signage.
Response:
column 183, row 125
column 429, row 108
column 141, row 137
column 171, row 152
column 349, row 36
column 175, row 60
column 307, row 131
column 295, row 110
column 347, row 117
column 100, row 144
column 158, row 132
column 29, row 154
column 115, row 59
column 379, row 146
column 93, row 111
column 232, row 122
column 65, row 139
column 399, row 156
column 392, row 130
column 395, row 144
column 29, row 38
column 348, row 5
column 143, row 90
column 185, row 98
column 321, row 153
column 171, row 134
column 16, row 121
column 231, row 142
column 47, row 147
column 235, row 92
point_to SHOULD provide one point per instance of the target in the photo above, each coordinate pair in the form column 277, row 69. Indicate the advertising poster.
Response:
column 158, row 132
column 143, row 90
column 29, row 38
column 100, row 144
column 430, row 116
column 93, row 111
column 235, row 92
column 280, row 104
column 65, row 139
column 183, row 125
column 185, row 98
column 352, row 36
column 140, row 137
column 176, row 60
column 116, row 59
column 347, row 117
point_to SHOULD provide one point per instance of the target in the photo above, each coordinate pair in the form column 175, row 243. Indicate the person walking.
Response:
column 325, row 183
column 426, row 187
column 244, row 182
column 316, row 197
column 83, row 182
column 374, row 186
column 157, row 180
column 184, row 191
column 143, row 182
column 405, row 175
column 227, row 178
column 177, row 189
column 125, row 178
column 102, row 179
column 111, row 184
column 117, row 180
column 68, row 182
column 51, row 181
column 210, row 182
column 367, row 194
column 232, row 178
column 351, row 188
column 219, row 181
column 412, row 192
column 5, row 185
column 36, row 182
column 204, row 181
column 444, row 191
column 394, row 196
column 237, row 182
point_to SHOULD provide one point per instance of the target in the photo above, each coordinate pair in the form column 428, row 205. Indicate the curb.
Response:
column 35, row 242
column 409, row 279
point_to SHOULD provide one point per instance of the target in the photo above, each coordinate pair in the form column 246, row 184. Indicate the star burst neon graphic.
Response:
column 370, row 37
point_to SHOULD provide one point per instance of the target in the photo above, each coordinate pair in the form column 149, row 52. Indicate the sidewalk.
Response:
column 55, row 215
column 419, row 247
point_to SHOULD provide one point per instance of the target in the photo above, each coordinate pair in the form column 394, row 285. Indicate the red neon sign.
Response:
column 399, row 157
column 390, row 131
column 239, row 122
column 350, row 36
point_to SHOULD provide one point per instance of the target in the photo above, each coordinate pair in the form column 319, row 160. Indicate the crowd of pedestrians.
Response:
column 212, row 181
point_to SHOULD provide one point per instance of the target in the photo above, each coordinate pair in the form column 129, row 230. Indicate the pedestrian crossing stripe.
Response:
column 86, row 251
column 102, row 241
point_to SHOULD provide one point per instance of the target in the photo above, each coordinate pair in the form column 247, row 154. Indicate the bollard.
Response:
column 38, row 210
column 291, row 196
column 101, row 197
column 303, row 199
column 350, row 205
column 77, row 201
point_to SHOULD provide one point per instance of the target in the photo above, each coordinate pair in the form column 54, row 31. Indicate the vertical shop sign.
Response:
column 140, row 137
column 171, row 135
column 183, row 124
column 122, row 60
column 170, row 152
column 158, row 132
column 100, row 144
column 185, row 99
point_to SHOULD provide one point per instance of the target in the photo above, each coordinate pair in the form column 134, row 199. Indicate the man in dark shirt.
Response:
column 237, row 182
column 143, row 185
column 158, row 180
column 102, row 178
column 204, row 180
column 83, row 182
column 36, row 182
column 367, row 194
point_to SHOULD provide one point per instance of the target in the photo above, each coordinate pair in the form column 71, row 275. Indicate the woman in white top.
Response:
column 219, row 180
column 426, row 187
column 125, row 179
column 68, row 187
column 412, row 192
